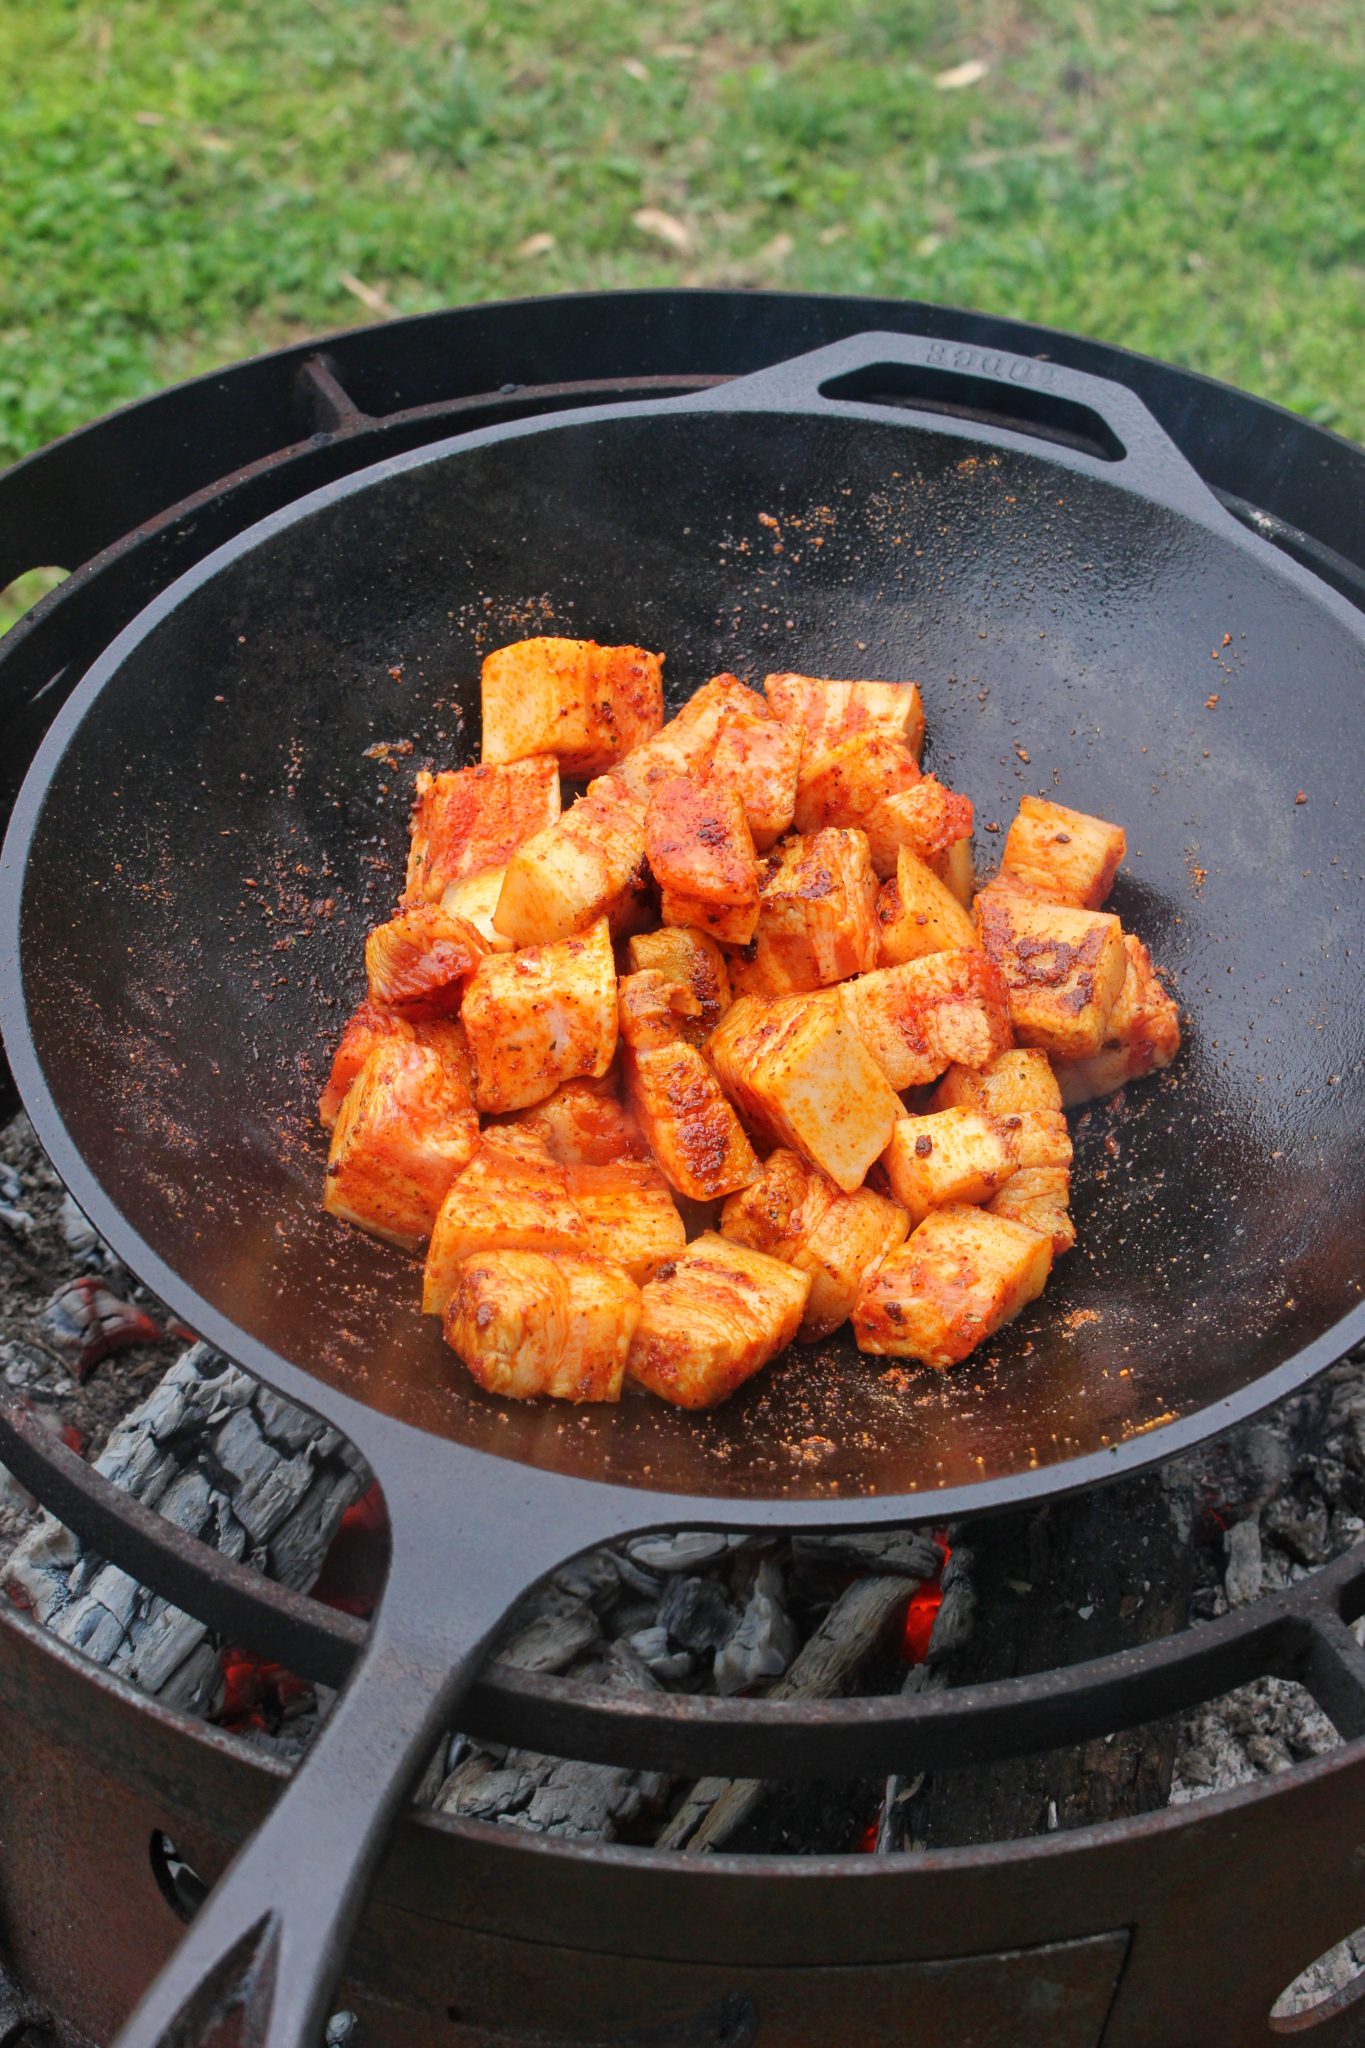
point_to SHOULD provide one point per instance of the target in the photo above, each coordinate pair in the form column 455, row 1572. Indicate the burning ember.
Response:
column 921, row 1610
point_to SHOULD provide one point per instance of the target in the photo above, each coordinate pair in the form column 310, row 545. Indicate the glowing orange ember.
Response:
column 922, row 1607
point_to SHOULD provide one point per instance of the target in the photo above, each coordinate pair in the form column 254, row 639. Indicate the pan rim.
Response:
column 377, row 1433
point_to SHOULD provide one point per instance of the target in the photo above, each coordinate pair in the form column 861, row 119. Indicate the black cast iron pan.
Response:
column 218, row 814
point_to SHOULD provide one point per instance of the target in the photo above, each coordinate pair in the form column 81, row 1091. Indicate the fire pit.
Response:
column 1130, row 1930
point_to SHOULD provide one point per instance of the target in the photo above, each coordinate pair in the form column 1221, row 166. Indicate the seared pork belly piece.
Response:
column 817, row 919
column 590, row 863
column 712, row 1320
column 541, row 1016
column 918, row 914
column 1040, row 1198
column 467, row 820
column 952, row 1155
column 1063, row 854
column 372, row 1025
column 628, row 1214
column 694, row 967
column 533, row 1323
column 845, row 784
column 829, row 711
column 476, row 899
column 1064, row 968
column 1141, row 1033
column 1013, row 1082
column 405, row 1130
column 585, row 704
column 422, row 959
column 687, row 742
column 511, row 1196
column 701, row 854
column 692, row 1130
column 583, row 1124
column 955, row 868
column 797, row 1214
column 935, row 822
column 957, row 1278
column 757, row 756
column 1021, row 1089
column 916, row 1019
column 800, row 1075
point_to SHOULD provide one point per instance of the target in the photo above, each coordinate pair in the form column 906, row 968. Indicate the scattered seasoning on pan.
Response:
column 1301, row 796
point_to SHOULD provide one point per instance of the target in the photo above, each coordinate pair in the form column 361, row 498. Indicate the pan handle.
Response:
column 266, row 1948
column 1092, row 423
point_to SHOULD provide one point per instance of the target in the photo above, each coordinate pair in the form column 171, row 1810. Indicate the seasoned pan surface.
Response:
column 229, row 816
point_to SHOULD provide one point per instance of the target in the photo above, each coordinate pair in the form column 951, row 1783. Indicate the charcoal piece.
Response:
column 1242, row 1579
column 1301, row 1528
column 594, row 1577
column 687, row 1551
column 697, row 1613
column 652, row 1647
column 84, row 1322
column 764, row 1639
column 551, row 1640
column 907, row 1552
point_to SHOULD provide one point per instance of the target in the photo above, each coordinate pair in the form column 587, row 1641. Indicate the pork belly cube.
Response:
column 541, row 1016
column 847, row 783
column 712, row 1320
column 829, row 712
column 1141, row 1035
column 583, row 1124
column 692, row 1131
column 918, row 1018
column 757, row 756
column 952, row 1155
column 627, row 1214
column 701, row 853
column 553, row 1323
column 1063, row 968
column 929, row 818
column 957, row 1278
column 475, row 899
column 694, row 967
column 422, row 958
column 1013, row 1082
column 467, row 820
column 919, row 914
column 817, row 916
column 374, row 1024
column 955, row 869
column 588, row 864
column 1021, row 1089
column 1040, row 1198
column 369, row 1027
column 1062, row 853
column 685, row 744
column 796, row 1214
column 405, row 1130
column 511, row 1196
column 585, row 704
column 800, row 1075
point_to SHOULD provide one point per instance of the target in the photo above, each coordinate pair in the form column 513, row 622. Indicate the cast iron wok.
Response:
column 219, row 813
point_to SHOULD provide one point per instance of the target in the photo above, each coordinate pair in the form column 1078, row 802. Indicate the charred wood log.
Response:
column 1100, row 1572
column 846, row 1640
column 232, row 1464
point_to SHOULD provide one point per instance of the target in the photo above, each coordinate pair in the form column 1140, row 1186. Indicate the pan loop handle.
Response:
column 265, row 1950
column 1089, row 423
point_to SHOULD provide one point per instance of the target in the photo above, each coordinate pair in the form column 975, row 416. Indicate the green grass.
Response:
column 183, row 183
